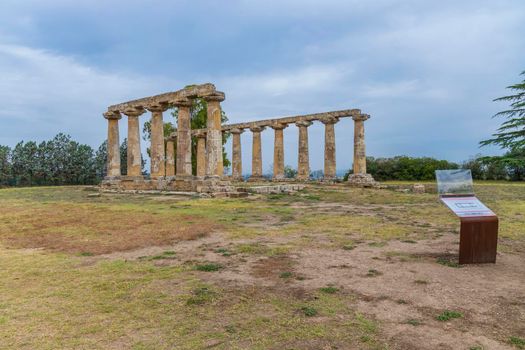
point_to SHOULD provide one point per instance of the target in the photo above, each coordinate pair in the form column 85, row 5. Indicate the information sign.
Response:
column 467, row 206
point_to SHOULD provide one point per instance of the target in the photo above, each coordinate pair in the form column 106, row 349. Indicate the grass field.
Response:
column 325, row 268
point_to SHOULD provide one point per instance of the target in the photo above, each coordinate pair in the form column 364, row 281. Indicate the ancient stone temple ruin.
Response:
column 171, row 165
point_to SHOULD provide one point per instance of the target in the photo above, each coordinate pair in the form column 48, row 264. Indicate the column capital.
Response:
column 182, row 102
column 278, row 126
column 360, row 117
column 236, row 131
column 112, row 115
column 257, row 128
column 215, row 96
column 158, row 107
column 201, row 134
column 328, row 120
column 303, row 123
column 133, row 111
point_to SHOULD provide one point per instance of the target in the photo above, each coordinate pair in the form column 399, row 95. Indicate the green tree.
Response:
column 124, row 157
column 199, row 118
column 289, row 172
column 101, row 160
column 405, row 168
column 24, row 162
column 5, row 165
column 511, row 133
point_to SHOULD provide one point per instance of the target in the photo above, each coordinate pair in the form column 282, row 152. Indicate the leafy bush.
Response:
column 405, row 168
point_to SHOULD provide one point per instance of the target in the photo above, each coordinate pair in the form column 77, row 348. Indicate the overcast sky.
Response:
column 426, row 71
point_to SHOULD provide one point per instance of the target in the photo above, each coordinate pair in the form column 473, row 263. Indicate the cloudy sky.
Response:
column 426, row 71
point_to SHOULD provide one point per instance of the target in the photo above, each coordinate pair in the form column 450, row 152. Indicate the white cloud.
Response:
column 44, row 93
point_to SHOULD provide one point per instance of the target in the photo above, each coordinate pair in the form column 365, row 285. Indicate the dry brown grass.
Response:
column 90, row 229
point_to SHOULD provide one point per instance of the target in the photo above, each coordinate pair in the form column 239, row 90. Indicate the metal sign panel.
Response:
column 467, row 206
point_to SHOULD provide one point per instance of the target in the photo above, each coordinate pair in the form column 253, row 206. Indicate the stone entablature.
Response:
column 346, row 113
column 168, row 98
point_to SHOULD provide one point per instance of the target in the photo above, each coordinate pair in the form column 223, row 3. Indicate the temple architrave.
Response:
column 171, row 166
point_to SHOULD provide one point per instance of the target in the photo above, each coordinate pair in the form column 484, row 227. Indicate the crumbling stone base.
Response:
column 362, row 180
column 274, row 189
column 188, row 184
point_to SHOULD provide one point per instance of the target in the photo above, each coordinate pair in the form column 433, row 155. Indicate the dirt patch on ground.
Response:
column 93, row 230
column 274, row 268
column 405, row 286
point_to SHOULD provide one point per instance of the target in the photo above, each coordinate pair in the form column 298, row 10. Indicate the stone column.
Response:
column 329, row 147
column 236, row 154
column 303, row 163
column 134, row 153
column 220, row 163
column 256, row 153
column 157, row 140
column 201, row 154
column 359, row 176
column 359, row 144
column 170, row 155
column 278, row 151
column 113, row 145
column 214, row 135
column 183, row 138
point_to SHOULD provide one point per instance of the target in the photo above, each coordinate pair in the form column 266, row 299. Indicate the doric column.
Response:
column 329, row 147
column 359, row 144
column 113, row 146
column 303, row 164
column 220, row 163
column 157, row 140
column 359, row 176
column 214, row 135
column 201, row 154
column 170, row 154
column 278, row 151
column 256, row 153
column 134, row 153
column 183, row 138
column 236, row 154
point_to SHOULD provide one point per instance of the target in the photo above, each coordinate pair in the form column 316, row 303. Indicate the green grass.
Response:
column 448, row 315
column 201, row 295
column 448, row 262
column 517, row 342
column 329, row 290
column 414, row 322
column 261, row 249
column 286, row 274
column 211, row 267
column 309, row 311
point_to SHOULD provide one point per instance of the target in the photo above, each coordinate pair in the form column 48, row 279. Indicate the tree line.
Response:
column 63, row 161
column 423, row 169
column 59, row 161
